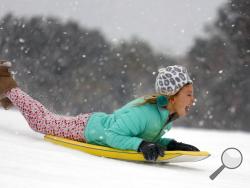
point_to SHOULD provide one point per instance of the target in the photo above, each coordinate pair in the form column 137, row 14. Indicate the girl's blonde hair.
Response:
column 151, row 99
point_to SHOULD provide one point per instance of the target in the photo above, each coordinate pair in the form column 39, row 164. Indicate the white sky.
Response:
column 169, row 25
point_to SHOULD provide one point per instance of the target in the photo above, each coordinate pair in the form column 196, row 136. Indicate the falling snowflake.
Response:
column 21, row 40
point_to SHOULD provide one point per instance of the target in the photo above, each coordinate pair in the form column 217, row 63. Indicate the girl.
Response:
column 139, row 125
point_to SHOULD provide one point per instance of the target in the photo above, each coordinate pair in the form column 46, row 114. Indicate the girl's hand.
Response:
column 151, row 151
column 173, row 145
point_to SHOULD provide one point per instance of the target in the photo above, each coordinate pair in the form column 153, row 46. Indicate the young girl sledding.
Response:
column 139, row 125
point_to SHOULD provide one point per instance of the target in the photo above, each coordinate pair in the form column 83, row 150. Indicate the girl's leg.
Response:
column 46, row 122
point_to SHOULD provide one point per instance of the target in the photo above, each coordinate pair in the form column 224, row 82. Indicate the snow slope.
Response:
column 26, row 161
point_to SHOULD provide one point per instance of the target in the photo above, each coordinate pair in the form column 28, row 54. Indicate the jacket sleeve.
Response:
column 123, row 134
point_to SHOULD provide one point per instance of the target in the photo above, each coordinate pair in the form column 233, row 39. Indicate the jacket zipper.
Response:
column 170, row 119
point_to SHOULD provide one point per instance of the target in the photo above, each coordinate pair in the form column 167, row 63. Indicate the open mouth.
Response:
column 187, row 108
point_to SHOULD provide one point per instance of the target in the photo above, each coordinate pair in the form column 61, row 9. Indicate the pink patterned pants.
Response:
column 46, row 122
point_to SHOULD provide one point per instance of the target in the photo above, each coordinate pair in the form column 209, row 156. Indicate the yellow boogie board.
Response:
column 170, row 156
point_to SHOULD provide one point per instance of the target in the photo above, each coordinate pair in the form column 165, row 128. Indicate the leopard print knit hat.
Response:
column 171, row 79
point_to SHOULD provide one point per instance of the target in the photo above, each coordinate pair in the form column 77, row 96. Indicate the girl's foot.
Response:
column 6, row 83
column 6, row 103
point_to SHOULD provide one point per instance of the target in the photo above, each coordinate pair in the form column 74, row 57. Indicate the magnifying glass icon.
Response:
column 231, row 158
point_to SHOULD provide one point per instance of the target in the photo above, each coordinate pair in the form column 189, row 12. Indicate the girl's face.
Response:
column 183, row 101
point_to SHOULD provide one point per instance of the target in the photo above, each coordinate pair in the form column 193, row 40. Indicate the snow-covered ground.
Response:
column 26, row 161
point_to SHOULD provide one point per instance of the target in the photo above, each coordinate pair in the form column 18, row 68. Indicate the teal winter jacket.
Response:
column 128, row 126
